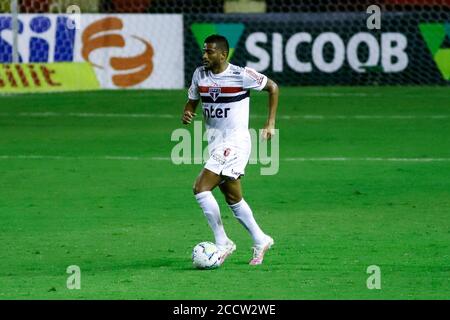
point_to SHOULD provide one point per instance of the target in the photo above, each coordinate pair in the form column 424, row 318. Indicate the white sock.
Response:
column 244, row 214
column 211, row 210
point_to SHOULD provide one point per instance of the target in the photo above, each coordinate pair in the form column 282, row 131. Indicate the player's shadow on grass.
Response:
column 172, row 263
column 167, row 262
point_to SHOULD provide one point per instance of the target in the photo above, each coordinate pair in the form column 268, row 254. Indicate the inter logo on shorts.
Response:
column 214, row 92
column 226, row 152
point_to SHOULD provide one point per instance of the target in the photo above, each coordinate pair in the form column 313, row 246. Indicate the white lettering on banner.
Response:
column 277, row 52
column 394, row 45
column 390, row 50
column 291, row 52
column 339, row 52
column 260, row 53
column 352, row 51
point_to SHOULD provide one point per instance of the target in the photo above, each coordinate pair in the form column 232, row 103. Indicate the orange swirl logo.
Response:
column 93, row 39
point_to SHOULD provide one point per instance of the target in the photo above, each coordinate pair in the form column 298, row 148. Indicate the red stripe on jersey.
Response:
column 202, row 89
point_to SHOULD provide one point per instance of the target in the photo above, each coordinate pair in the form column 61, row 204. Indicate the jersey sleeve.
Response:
column 193, row 93
column 253, row 79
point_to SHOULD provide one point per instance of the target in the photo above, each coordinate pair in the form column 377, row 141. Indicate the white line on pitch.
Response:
column 51, row 157
column 171, row 116
column 138, row 158
column 370, row 159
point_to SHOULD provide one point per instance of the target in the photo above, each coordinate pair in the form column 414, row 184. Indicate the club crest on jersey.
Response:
column 214, row 92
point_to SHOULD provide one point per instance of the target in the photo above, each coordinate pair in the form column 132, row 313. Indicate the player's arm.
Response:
column 269, row 127
column 189, row 111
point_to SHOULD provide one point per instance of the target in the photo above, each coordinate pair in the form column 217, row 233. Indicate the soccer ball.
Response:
column 206, row 256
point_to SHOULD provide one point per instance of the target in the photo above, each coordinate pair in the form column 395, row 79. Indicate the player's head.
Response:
column 215, row 51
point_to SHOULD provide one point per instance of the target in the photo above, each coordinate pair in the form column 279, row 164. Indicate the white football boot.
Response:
column 260, row 250
column 226, row 250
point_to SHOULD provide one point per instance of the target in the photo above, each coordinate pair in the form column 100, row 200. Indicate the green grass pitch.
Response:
column 82, row 185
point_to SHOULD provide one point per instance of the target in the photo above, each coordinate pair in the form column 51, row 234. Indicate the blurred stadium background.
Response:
column 89, row 99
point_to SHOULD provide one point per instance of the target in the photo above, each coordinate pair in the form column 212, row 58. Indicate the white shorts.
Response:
column 229, row 161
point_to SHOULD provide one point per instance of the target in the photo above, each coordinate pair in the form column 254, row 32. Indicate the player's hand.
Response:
column 268, row 131
column 187, row 117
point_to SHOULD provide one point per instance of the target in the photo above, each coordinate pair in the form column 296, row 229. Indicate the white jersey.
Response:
column 225, row 102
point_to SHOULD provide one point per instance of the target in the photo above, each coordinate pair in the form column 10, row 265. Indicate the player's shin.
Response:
column 244, row 214
column 211, row 210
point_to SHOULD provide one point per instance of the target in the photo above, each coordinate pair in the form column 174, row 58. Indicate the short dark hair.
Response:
column 220, row 41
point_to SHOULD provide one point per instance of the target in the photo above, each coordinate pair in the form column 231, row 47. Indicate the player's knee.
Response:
column 232, row 198
column 197, row 188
